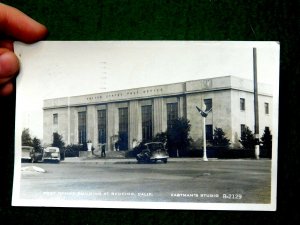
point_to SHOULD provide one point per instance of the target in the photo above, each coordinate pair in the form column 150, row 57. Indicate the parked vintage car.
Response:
column 29, row 154
column 51, row 153
column 153, row 152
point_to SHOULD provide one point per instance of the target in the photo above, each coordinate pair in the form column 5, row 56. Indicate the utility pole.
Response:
column 256, row 117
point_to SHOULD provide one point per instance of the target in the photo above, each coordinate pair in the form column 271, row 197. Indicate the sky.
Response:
column 52, row 69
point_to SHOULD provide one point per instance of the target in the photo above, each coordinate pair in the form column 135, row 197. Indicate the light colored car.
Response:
column 153, row 152
column 26, row 151
column 51, row 153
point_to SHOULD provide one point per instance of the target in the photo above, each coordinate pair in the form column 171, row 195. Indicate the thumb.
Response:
column 9, row 67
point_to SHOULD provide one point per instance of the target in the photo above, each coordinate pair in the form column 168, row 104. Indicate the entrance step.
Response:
column 111, row 154
column 115, row 154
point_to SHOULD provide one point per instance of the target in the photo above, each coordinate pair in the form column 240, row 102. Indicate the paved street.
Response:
column 216, row 181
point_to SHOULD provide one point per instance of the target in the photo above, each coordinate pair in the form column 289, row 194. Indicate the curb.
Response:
column 134, row 161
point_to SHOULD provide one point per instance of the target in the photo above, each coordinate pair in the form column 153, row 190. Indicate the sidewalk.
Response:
column 88, row 160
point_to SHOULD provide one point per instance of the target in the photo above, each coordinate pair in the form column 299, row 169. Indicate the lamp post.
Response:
column 204, row 115
column 204, row 140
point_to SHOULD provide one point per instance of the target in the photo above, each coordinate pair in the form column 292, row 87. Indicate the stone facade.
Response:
column 225, row 94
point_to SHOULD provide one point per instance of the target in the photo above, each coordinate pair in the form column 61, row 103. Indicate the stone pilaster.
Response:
column 73, row 126
column 158, row 112
column 182, row 106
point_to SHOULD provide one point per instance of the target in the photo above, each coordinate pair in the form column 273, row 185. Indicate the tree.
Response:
column 247, row 139
column 26, row 138
column 266, row 141
column 36, row 144
column 58, row 141
column 178, row 139
column 220, row 140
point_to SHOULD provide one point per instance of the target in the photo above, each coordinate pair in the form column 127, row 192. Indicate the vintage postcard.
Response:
column 147, row 124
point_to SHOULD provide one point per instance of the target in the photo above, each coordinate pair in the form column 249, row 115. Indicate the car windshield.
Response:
column 155, row 146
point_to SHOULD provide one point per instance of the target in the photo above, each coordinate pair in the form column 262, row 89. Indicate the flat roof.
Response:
column 164, row 90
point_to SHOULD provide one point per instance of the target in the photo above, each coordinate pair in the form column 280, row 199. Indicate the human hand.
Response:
column 14, row 25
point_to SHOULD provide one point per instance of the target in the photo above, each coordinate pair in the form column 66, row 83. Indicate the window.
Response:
column 243, row 128
column 81, row 127
column 55, row 119
column 209, row 132
column 123, row 128
column 102, row 126
column 208, row 104
column 172, row 114
column 266, row 108
column 242, row 104
column 147, row 122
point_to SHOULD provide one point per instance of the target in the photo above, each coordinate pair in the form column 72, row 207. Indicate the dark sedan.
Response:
column 153, row 152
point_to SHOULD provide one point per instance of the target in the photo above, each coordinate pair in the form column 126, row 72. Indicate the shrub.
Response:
column 266, row 141
column 221, row 153
column 178, row 137
column 161, row 137
column 220, row 140
column 73, row 150
column 36, row 144
column 247, row 139
column 58, row 141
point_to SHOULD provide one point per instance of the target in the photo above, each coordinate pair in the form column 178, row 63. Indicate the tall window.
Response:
column 242, row 104
column 208, row 103
column 243, row 128
column 172, row 113
column 102, row 126
column 55, row 119
column 147, row 122
column 209, row 132
column 81, row 127
column 266, row 108
column 123, row 128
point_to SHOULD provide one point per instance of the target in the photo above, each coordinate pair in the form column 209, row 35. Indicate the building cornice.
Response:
column 167, row 90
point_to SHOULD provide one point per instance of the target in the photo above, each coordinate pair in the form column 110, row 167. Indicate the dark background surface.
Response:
column 261, row 20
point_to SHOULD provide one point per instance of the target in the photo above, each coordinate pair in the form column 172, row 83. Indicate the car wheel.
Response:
column 165, row 160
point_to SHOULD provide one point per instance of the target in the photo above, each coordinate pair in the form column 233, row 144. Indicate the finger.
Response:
column 7, row 44
column 9, row 65
column 19, row 26
column 6, row 89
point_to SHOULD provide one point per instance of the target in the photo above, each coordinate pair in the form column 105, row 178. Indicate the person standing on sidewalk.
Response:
column 103, row 151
